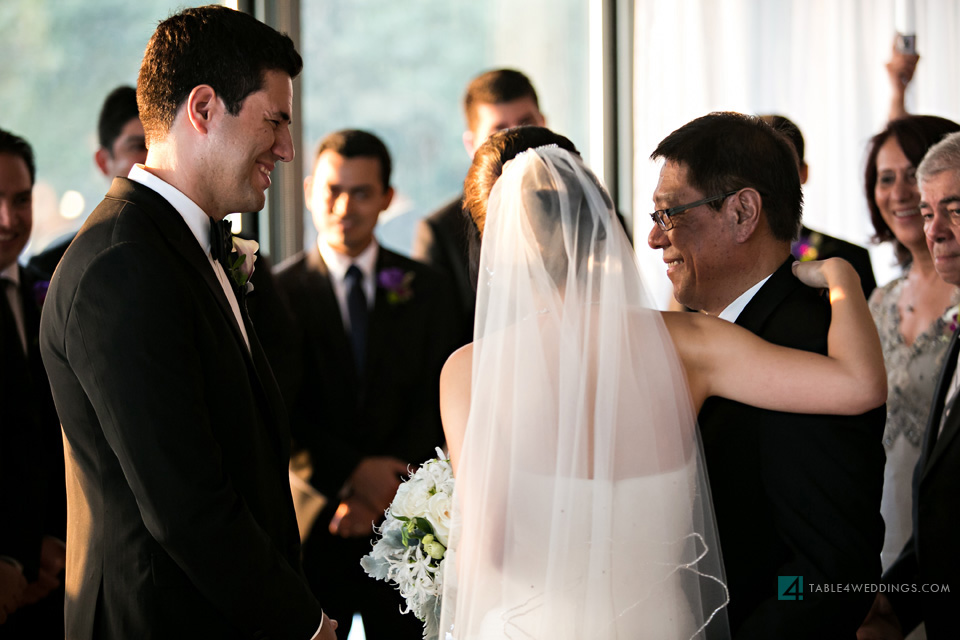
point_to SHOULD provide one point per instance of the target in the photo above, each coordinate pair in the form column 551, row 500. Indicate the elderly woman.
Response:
column 913, row 313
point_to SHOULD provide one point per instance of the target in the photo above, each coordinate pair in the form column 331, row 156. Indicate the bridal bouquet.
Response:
column 413, row 541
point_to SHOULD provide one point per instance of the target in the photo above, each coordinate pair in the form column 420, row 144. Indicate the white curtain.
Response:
column 818, row 62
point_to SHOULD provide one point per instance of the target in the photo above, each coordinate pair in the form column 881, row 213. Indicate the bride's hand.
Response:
column 827, row 274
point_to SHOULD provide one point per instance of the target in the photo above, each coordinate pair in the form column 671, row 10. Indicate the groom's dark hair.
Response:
column 213, row 45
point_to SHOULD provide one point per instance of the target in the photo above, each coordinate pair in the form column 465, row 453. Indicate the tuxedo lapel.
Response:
column 175, row 231
column 935, row 441
column 771, row 294
column 383, row 317
column 177, row 234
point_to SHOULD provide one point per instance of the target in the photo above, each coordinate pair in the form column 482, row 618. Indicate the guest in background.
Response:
column 122, row 145
column 914, row 313
column 377, row 328
column 494, row 100
column 32, row 495
column 923, row 584
column 814, row 245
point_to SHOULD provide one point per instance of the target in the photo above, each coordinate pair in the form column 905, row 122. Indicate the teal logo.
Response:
column 789, row 587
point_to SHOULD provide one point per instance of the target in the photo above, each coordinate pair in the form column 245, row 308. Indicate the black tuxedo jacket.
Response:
column 442, row 241
column 794, row 495
column 32, row 496
column 180, row 520
column 857, row 256
column 931, row 556
column 393, row 409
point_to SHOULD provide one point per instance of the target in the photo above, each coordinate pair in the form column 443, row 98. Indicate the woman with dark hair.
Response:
column 582, row 508
column 914, row 313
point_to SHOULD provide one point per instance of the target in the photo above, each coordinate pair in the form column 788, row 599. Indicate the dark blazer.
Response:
column 32, row 496
column 830, row 247
column 394, row 409
column 930, row 557
column 443, row 242
column 180, row 520
column 794, row 495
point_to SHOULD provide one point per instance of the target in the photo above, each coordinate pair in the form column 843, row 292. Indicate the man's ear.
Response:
column 468, row 140
column 748, row 205
column 387, row 198
column 101, row 157
column 202, row 106
column 308, row 192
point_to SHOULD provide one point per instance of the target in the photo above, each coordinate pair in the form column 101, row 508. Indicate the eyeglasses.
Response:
column 663, row 217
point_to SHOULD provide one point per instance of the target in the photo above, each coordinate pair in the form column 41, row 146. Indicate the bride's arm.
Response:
column 723, row 359
column 455, row 400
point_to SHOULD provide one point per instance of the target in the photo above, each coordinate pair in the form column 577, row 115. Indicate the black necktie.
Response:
column 221, row 241
column 357, row 308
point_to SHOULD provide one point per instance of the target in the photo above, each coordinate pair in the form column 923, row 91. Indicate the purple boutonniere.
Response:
column 40, row 292
column 396, row 282
column 806, row 247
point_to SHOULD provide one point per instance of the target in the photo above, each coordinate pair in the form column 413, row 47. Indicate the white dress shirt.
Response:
column 337, row 265
column 733, row 310
column 199, row 223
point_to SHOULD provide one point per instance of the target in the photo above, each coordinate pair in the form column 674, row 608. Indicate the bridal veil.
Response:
column 582, row 505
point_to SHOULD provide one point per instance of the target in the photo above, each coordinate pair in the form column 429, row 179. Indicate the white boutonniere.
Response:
column 242, row 260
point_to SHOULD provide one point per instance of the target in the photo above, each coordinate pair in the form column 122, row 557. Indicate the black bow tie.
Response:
column 221, row 240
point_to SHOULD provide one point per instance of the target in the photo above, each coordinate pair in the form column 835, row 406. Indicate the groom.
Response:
column 795, row 496
column 180, row 520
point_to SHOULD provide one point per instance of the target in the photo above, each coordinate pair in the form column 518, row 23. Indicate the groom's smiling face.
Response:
column 249, row 145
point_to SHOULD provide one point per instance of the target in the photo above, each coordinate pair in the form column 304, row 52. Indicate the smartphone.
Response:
column 907, row 43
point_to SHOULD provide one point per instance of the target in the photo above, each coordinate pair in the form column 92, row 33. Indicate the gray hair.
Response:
column 943, row 156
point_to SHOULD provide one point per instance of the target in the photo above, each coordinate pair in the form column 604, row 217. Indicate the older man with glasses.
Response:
column 797, row 497
column 923, row 585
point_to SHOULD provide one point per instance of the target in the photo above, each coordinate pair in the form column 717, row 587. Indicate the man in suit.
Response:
column 930, row 561
column 794, row 495
column 377, row 329
column 122, row 145
column 32, row 497
column 814, row 245
column 180, row 519
column 494, row 100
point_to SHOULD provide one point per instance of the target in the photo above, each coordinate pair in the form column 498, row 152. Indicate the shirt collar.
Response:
column 193, row 215
column 12, row 273
column 337, row 263
column 733, row 310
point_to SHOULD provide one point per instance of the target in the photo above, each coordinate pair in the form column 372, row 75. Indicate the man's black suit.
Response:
column 443, row 242
column 341, row 417
column 180, row 520
column 930, row 557
column 32, row 495
column 794, row 495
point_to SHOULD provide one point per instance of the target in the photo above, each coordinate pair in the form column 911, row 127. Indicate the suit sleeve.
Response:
column 139, row 342
column 905, row 571
column 422, row 430
column 426, row 247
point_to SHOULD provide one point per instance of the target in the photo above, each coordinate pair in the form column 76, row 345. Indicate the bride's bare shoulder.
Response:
column 458, row 366
column 455, row 399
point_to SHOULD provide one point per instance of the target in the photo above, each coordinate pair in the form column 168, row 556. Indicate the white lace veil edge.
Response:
column 582, row 507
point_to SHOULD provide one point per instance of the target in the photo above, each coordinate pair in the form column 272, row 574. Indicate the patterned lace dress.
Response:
column 912, row 372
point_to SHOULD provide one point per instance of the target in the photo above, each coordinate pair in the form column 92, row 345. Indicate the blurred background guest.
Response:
column 915, row 313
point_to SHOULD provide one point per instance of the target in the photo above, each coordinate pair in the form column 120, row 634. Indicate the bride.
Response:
column 582, row 507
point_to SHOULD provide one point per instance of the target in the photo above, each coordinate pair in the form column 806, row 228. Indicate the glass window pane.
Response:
column 61, row 59
column 398, row 69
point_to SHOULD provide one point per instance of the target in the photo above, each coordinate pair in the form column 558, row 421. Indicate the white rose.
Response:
column 438, row 513
column 411, row 500
column 248, row 249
